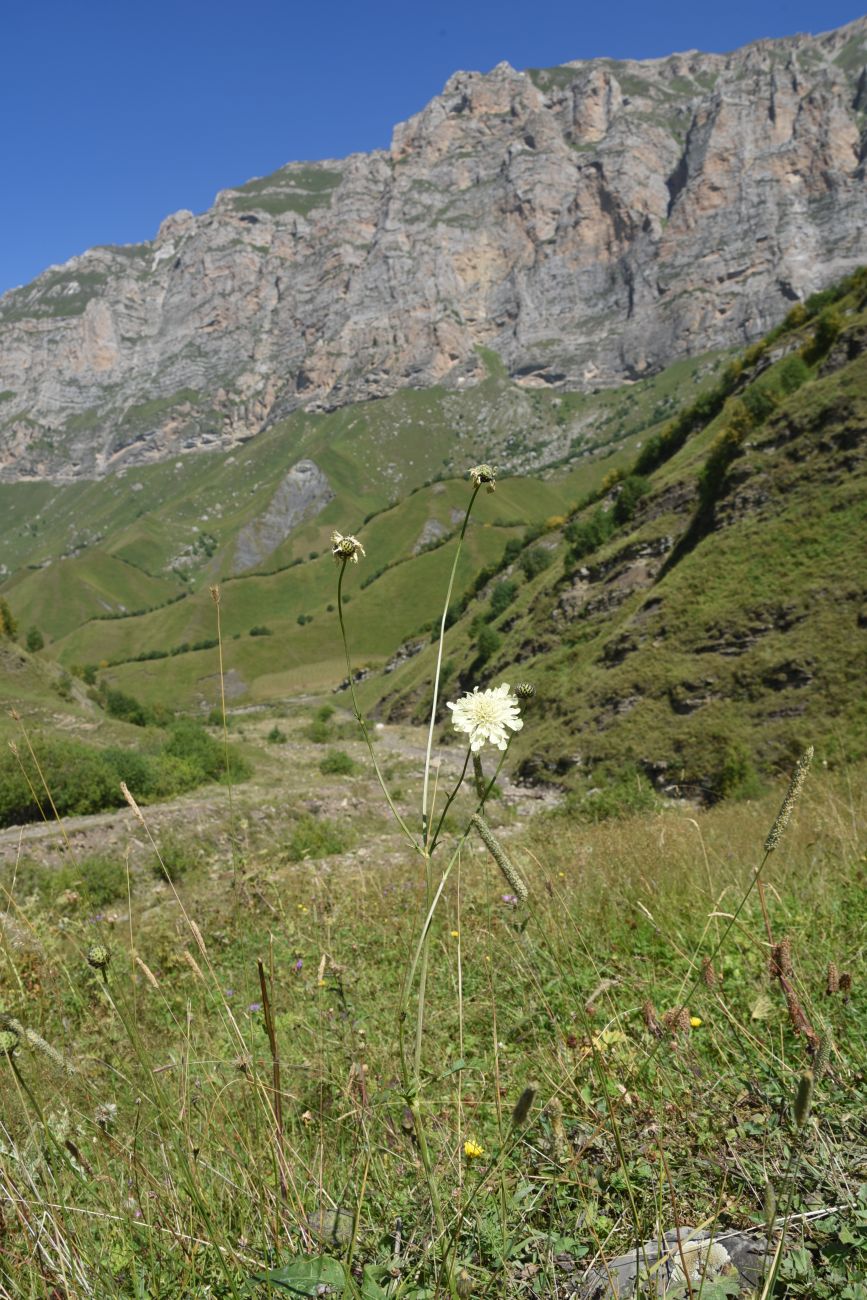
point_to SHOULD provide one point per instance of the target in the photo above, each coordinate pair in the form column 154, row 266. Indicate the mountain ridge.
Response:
column 588, row 223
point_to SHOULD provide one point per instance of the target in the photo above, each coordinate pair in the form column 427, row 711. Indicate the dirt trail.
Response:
column 288, row 777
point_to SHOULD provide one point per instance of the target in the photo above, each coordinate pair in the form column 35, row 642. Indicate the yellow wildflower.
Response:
column 696, row 1022
column 472, row 1150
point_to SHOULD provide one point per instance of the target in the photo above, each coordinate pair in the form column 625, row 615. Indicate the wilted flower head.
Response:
column 484, row 474
column 106, row 1115
column 485, row 715
column 345, row 548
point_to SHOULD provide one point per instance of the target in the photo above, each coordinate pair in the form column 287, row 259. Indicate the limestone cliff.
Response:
column 589, row 223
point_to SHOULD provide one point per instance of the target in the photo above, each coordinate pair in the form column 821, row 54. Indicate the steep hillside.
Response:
column 588, row 223
column 82, row 558
column 707, row 614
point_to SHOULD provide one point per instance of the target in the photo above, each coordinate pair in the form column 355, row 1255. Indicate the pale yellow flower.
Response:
column 485, row 715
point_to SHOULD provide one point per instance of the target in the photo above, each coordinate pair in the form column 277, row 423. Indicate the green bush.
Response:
column 35, row 641
column 178, row 855
column 190, row 742
column 828, row 326
column 100, row 879
column 626, row 794
column 760, row 401
column 736, row 776
column 315, row 837
column 79, row 778
column 261, row 630
column 503, row 594
column 276, row 736
column 487, row 644
column 793, row 373
column 632, row 489
column 126, row 708
column 535, row 560
column 587, row 535
column 8, row 622
column 337, row 763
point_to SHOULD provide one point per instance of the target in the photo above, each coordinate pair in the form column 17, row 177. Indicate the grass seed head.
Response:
column 804, row 1099
column 498, row 853
column 522, row 1106
column 796, row 784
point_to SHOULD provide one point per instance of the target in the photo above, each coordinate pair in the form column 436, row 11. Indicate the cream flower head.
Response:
column 486, row 474
column 345, row 548
column 485, row 715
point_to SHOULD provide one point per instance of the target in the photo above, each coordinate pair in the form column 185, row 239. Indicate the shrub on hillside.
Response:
column 315, row 837
column 337, row 763
column 586, row 535
column 535, row 560
column 190, row 742
column 8, row 622
column 793, row 373
column 487, row 644
column 632, row 489
column 503, row 594
column 79, row 778
column 626, row 794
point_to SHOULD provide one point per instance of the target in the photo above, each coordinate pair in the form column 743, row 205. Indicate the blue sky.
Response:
column 117, row 113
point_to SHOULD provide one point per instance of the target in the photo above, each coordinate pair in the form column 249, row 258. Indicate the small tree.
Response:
column 8, row 624
column 35, row 640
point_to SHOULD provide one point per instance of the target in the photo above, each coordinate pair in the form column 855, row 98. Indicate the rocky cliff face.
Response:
column 589, row 223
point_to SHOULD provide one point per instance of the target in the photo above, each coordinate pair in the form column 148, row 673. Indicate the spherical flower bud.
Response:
column 484, row 474
column 345, row 548
column 8, row 1040
column 98, row 956
column 525, row 690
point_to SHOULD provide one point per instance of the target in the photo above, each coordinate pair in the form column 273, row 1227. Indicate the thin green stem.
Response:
column 438, row 670
column 449, row 802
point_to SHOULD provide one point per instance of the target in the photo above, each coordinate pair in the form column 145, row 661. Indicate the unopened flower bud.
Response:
column 98, row 956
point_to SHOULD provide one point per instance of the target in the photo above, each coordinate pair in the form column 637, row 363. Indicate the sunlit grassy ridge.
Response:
column 718, row 628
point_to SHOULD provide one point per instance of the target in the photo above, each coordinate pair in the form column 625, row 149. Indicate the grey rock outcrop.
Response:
column 589, row 223
column 302, row 493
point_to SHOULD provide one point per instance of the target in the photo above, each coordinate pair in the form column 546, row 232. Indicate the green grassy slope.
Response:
column 700, row 641
column 147, row 533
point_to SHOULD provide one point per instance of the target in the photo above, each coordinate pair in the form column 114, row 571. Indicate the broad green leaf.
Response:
column 317, row 1275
